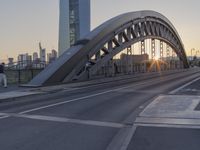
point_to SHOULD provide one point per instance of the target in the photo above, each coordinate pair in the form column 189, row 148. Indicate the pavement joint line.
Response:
column 67, row 120
column 183, row 86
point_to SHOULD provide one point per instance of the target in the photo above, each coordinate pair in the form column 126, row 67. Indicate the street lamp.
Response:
column 191, row 52
column 197, row 51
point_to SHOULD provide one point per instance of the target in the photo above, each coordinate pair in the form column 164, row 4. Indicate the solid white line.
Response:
column 65, row 102
column 85, row 97
column 168, row 125
column 3, row 117
column 68, row 120
column 80, row 98
column 122, row 139
column 171, row 121
column 183, row 86
column 128, row 138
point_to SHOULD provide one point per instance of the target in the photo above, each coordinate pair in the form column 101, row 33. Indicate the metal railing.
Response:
column 23, row 71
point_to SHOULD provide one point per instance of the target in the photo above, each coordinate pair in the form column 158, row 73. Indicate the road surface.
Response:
column 93, row 117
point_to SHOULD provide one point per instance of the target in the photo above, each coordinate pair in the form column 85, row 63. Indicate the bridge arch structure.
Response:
column 104, row 42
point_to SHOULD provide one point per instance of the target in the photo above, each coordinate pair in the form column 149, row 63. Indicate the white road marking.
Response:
column 122, row 139
column 81, row 98
column 183, row 86
column 171, row 111
column 171, row 121
column 66, row 120
column 85, row 97
column 65, row 102
column 128, row 138
column 89, row 96
column 168, row 125
column 3, row 117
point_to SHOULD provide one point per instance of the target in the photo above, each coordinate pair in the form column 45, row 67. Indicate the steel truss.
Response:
column 110, row 38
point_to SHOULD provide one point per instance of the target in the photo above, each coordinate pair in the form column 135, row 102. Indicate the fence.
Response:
column 23, row 72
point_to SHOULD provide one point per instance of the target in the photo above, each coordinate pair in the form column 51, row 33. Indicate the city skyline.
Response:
column 26, row 23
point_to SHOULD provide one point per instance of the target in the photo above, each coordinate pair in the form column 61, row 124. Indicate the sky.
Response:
column 25, row 23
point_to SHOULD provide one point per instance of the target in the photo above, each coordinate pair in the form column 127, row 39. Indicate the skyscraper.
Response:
column 35, row 56
column 52, row 56
column 42, row 54
column 74, row 22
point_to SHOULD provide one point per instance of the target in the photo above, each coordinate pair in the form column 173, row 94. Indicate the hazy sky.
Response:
column 24, row 23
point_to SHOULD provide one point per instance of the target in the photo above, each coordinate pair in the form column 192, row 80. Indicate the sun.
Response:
column 156, row 58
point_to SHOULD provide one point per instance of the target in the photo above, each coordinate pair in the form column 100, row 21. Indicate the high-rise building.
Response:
column 35, row 56
column 52, row 56
column 10, row 62
column 42, row 54
column 74, row 22
column 24, row 60
column 54, row 53
column 49, row 56
column 36, row 59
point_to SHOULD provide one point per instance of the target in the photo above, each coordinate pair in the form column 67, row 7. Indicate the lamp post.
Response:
column 197, row 59
column 197, row 51
column 191, row 53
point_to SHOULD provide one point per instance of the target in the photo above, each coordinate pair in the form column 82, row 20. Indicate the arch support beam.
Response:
column 104, row 42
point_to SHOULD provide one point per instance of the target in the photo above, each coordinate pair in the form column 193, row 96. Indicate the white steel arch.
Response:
column 106, row 41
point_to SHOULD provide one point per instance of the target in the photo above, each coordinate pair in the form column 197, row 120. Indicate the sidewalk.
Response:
column 14, row 91
column 12, row 87
column 170, row 121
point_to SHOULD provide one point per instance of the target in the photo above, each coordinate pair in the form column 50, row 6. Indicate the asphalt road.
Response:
column 94, row 117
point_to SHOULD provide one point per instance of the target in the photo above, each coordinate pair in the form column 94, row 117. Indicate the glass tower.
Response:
column 74, row 22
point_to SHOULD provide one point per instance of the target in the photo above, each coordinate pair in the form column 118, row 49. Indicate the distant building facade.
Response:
column 24, row 60
column 74, row 22
column 42, row 54
column 35, row 56
column 134, row 58
column 54, row 53
column 10, row 62
column 52, row 56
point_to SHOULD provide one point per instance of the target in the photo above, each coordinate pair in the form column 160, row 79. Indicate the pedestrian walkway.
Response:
column 12, row 87
column 172, row 110
column 13, row 91
column 170, row 121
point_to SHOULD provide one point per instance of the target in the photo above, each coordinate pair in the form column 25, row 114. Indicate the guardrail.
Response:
column 23, row 72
